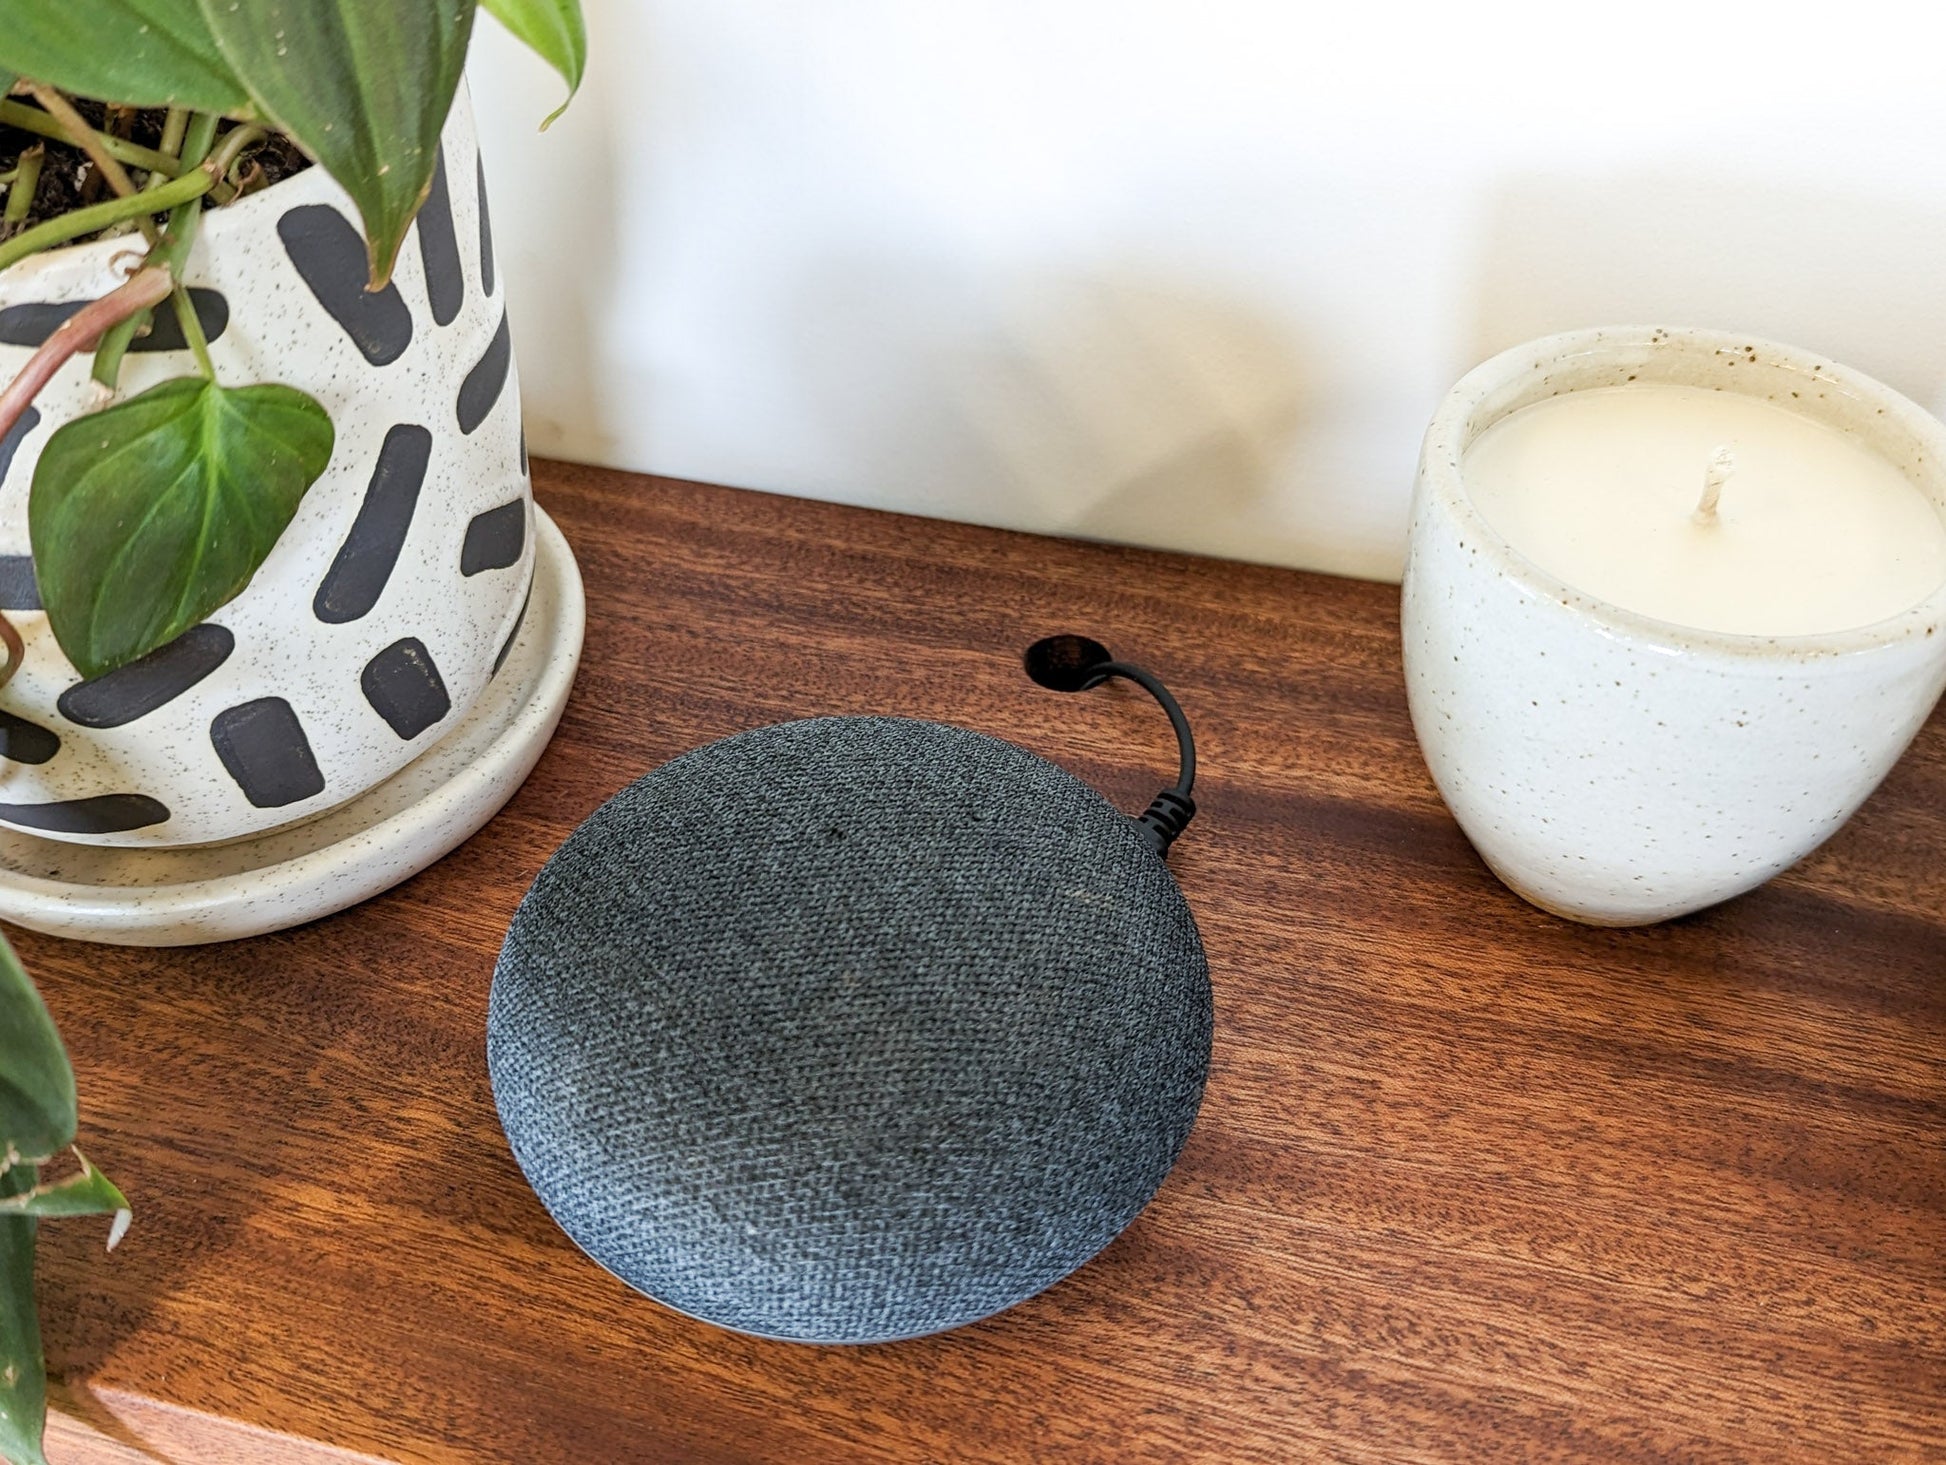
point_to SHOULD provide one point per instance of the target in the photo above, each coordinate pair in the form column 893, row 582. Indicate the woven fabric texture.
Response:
column 850, row 1029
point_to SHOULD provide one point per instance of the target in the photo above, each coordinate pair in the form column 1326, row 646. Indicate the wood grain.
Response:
column 1470, row 1182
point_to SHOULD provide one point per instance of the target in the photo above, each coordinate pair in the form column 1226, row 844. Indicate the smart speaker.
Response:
column 854, row 1029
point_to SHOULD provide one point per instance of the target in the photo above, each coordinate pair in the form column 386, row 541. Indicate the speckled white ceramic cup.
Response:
column 1617, row 769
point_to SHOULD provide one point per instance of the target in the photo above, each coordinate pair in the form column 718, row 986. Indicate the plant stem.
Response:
column 27, row 180
column 93, row 143
column 34, row 120
column 75, row 128
column 146, row 288
column 234, row 142
column 192, row 185
column 198, row 133
column 16, row 649
column 173, row 127
column 192, row 332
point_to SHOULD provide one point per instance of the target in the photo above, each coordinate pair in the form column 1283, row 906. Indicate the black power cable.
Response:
column 1077, row 663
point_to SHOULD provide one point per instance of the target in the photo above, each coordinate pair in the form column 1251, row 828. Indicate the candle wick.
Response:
column 1722, row 463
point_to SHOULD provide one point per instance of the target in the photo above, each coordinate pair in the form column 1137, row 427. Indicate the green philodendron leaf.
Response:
column 554, row 31
column 36, row 1111
column 37, row 1107
column 364, row 87
column 148, row 515
column 23, row 1371
column 142, row 53
column 88, row 1192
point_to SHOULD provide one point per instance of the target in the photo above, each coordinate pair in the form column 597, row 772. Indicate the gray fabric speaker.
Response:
column 850, row 1030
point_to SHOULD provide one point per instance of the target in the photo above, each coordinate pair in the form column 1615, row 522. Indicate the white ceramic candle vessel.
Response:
column 1675, row 687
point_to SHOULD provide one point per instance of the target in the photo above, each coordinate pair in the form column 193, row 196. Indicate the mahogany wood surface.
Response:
column 1470, row 1183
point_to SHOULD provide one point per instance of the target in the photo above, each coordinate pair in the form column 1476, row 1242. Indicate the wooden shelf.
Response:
column 1470, row 1183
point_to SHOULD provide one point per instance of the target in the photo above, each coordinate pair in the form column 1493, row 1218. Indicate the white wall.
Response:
column 1183, row 274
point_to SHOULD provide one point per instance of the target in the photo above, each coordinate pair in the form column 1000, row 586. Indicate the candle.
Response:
column 1674, row 603
column 1708, row 508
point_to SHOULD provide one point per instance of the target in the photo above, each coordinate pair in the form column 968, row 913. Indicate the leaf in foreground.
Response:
column 36, row 1119
column 143, row 53
column 363, row 86
column 149, row 515
column 554, row 31
column 87, row 1192
column 37, row 1091
column 37, row 1107
column 23, row 1372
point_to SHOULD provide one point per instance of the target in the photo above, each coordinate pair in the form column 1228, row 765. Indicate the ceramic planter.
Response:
column 385, row 607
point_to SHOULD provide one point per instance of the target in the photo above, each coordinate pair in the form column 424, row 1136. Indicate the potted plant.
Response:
column 265, row 525
column 37, row 1123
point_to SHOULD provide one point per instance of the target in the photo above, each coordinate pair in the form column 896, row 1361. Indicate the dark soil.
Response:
column 68, row 179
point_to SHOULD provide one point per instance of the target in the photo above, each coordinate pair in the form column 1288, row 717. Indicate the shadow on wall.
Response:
column 1118, row 405
column 1859, row 277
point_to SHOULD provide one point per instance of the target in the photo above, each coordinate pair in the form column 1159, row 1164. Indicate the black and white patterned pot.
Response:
column 382, row 612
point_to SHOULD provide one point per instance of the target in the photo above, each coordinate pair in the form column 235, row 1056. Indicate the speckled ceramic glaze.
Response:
column 1617, row 769
column 176, row 897
column 377, row 620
